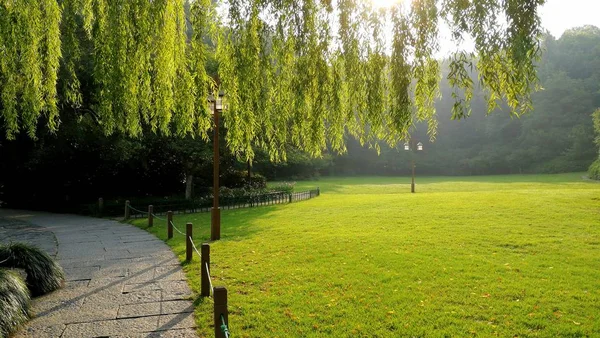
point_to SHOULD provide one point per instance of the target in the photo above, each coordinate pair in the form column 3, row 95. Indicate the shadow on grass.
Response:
column 236, row 225
column 200, row 300
column 243, row 223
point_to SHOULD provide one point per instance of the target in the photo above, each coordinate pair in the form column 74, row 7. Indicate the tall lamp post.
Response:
column 411, row 147
column 216, row 107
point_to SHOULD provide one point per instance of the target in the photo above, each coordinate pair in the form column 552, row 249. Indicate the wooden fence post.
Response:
column 127, row 209
column 100, row 206
column 318, row 191
column 150, row 216
column 169, row 224
column 204, row 262
column 188, row 242
column 290, row 198
column 220, row 299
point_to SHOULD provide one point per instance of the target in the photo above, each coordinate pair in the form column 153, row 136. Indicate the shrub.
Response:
column 240, row 192
column 14, row 302
column 257, row 181
column 594, row 171
column 286, row 187
column 239, row 179
column 43, row 273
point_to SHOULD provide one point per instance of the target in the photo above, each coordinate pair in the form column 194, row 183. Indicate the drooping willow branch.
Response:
column 301, row 72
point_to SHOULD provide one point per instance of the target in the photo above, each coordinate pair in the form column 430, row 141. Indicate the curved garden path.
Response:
column 120, row 280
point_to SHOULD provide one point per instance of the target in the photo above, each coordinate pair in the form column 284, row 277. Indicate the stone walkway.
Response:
column 16, row 230
column 120, row 281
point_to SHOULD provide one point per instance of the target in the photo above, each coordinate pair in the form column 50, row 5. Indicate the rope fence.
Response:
column 160, row 218
column 207, row 289
column 224, row 327
column 218, row 293
column 209, row 279
column 194, row 246
column 137, row 210
column 176, row 229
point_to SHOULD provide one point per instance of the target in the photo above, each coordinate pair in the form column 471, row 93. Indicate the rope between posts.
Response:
column 224, row 327
column 134, row 209
column 194, row 246
column 174, row 227
column 209, row 279
column 160, row 218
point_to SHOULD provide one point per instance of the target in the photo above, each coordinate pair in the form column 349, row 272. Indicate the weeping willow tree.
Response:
column 301, row 72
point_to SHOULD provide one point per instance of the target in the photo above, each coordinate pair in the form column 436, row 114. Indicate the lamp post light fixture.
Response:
column 419, row 147
column 216, row 106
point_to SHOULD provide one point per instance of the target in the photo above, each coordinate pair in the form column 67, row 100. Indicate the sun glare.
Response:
column 378, row 4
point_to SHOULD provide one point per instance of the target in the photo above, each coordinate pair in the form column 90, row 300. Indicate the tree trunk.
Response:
column 189, row 179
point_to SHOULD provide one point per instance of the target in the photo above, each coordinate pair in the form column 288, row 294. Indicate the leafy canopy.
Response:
column 302, row 72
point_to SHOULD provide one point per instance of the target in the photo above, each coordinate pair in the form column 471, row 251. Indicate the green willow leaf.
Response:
column 294, row 72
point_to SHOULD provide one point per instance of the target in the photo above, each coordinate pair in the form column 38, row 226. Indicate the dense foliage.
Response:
column 299, row 72
column 80, row 163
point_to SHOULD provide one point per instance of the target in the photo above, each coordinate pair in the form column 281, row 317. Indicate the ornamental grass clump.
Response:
column 14, row 302
column 43, row 273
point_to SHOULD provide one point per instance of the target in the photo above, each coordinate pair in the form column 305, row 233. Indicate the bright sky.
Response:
column 560, row 15
column 557, row 16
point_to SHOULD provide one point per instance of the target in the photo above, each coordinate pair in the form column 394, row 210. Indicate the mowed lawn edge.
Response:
column 463, row 256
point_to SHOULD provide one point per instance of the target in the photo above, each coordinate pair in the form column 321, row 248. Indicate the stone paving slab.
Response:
column 121, row 281
column 177, row 321
column 179, row 333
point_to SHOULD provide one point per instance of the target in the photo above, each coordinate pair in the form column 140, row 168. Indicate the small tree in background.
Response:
column 594, row 170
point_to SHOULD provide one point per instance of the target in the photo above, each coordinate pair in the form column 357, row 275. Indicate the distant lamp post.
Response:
column 216, row 107
column 408, row 147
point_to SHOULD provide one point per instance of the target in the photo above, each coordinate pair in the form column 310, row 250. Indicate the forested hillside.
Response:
column 557, row 136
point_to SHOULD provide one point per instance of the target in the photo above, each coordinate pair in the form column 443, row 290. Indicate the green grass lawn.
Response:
column 484, row 256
